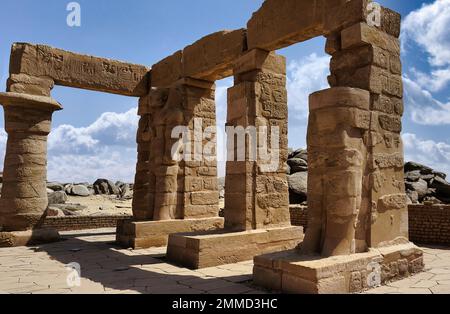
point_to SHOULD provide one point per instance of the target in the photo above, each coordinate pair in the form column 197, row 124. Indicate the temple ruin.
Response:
column 357, row 234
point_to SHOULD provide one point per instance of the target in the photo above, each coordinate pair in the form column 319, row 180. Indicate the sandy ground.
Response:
column 102, row 204
column 107, row 205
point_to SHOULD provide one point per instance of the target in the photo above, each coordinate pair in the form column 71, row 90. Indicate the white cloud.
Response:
column 422, row 107
column 304, row 78
column 428, row 152
column 104, row 149
column 428, row 28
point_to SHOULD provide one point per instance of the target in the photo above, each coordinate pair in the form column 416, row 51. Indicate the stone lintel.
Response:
column 293, row 272
column 168, row 70
column 211, row 58
column 209, row 249
column 280, row 24
column 79, row 71
column 146, row 234
column 45, row 103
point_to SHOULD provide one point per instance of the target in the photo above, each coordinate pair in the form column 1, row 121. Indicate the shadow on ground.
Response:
column 143, row 271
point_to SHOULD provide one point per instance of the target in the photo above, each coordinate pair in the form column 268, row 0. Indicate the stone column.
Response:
column 338, row 123
column 369, row 58
column 24, row 194
column 168, row 188
column 256, row 193
column 365, row 75
column 200, row 182
column 142, row 203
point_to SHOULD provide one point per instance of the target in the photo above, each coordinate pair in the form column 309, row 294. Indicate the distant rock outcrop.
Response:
column 422, row 183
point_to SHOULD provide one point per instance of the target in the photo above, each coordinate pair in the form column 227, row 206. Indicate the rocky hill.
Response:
column 422, row 184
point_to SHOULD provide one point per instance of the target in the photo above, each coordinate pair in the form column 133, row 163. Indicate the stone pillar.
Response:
column 143, row 183
column 179, row 189
column 369, row 58
column 257, row 218
column 339, row 121
column 256, row 194
column 200, row 186
column 174, row 195
column 356, row 194
column 24, row 194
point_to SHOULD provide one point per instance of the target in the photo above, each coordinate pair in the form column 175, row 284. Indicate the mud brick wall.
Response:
column 83, row 223
column 429, row 224
column 299, row 215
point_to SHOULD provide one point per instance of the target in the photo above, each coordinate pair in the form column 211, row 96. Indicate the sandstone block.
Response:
column 340, row 97
column 390, row 22
column 167, row 71
column 258, row 59
column 81, row 71
column 362, row 34
column 342, row 14
column 211, row 58
column 205, row 198
column 333, row 44
column 279, row 24
column 25, row 84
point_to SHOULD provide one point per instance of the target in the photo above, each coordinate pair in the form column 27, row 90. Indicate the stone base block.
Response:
column 200, row 250
column 30, row 237
column 146, row 234
column 292, row 272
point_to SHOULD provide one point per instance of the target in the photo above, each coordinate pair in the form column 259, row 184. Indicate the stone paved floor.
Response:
column 106, row 268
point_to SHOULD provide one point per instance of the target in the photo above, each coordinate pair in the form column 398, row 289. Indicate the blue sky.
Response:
column 95, row 133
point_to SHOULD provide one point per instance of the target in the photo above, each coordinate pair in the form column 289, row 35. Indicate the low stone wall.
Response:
column 83, row 222
column 428, row 224
column 299, row 215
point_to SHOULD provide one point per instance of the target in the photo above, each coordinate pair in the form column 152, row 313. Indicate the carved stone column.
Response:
column 257, row 218
column 339, row 121
column 257, row 192
column 24, row 194
column 173, row 195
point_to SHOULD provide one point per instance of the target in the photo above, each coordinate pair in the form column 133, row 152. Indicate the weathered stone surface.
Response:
column 24, row 192
column 279, row 24
column 211, row 58
column 31, row 237
column 81, row 71
column 390, row 22
column 362, row 34
column 201, row 250
column 104, row 186
column 167, row 71
column 80, row 190
column 342, row 14
column 58, row 197
column 257, row 59
column 337, row 275
column 25, row 84
column 297, row 165
column 146, row 234
column 298, row 183
column 340, row 97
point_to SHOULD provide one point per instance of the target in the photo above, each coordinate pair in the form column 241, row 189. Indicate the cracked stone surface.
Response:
column 106, row 268
column 434, row 280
